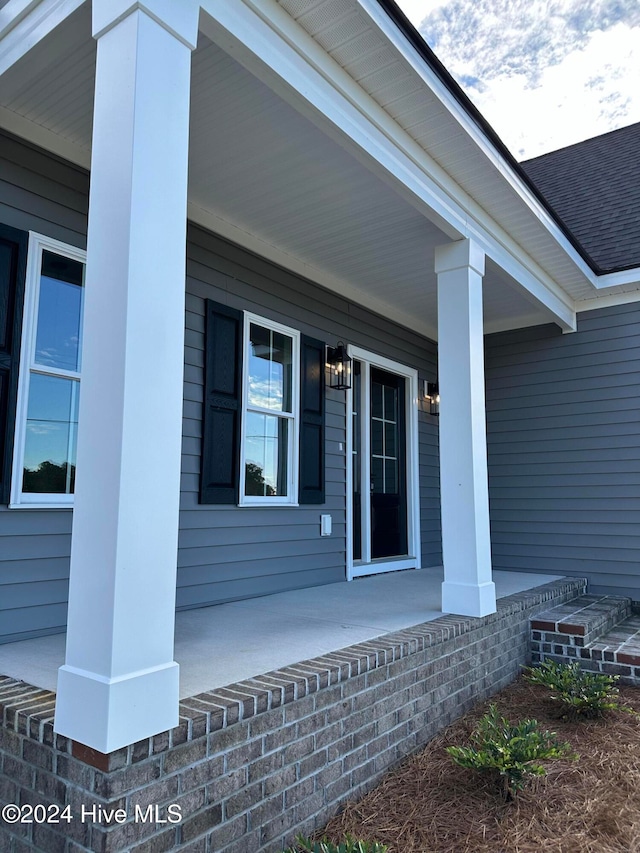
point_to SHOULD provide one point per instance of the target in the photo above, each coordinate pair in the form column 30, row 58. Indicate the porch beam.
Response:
column 119, row 683
column 464, row 495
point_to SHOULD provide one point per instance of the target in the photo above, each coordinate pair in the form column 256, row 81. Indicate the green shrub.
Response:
column 509, row 752
column 580, row 693
column 349, row 845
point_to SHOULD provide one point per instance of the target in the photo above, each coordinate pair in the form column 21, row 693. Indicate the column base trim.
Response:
column 109, row 713
column 467, row 599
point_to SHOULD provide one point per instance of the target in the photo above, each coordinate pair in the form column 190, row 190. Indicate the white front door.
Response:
column 382, row 500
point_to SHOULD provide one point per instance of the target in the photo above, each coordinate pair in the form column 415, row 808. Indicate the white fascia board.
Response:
column 608, row 300
column 536, row 291
column 236, row 234
column 616, row 279
column 455, row 108
column 268, row 42
column 23, row 24
column 624, row 278
column 418, row 65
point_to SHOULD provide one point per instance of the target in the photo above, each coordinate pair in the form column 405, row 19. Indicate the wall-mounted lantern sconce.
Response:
column 432, row 396
column 339, row 365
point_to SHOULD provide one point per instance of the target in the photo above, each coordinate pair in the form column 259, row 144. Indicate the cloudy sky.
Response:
column 544, row 73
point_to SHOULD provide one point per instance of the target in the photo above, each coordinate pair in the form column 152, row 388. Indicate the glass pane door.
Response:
column 388, row 465
column 379, row 460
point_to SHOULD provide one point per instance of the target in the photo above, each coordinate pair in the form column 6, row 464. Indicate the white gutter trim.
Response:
column 608, row 301
column 616, row 279
column 382, row 20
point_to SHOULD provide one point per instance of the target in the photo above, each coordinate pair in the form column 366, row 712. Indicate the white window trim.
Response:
column 291, row 499
column 37, row 244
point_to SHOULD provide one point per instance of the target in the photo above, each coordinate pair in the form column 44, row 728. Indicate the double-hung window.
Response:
column 263, row 414
column 270, row 412
column 49, row 385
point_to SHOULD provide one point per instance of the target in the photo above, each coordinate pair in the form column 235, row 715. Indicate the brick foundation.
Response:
column 252, row 764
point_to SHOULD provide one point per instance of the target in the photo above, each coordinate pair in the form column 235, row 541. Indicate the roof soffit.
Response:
column 363, row 41
column 398, row 90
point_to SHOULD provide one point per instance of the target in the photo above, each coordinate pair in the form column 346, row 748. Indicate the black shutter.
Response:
column 13, row 264
column 312, row 368
column 220, row 476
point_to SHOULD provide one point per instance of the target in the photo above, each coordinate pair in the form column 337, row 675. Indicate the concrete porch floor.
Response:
column 226, row 643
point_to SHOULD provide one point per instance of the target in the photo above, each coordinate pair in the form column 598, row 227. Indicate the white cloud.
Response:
column 416, row 10
column 591, row 91
column 544, row 74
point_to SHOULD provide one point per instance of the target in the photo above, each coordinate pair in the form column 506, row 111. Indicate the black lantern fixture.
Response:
column 339, row 365
column 432, row 396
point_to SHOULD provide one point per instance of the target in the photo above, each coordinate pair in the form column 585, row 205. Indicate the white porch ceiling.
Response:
column 260, row 167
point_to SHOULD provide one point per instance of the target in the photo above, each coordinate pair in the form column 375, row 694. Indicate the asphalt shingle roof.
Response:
column 594, row 189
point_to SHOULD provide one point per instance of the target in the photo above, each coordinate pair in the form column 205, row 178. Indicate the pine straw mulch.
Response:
column 591, row 805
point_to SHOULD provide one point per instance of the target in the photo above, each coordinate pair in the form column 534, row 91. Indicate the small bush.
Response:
column 349, row 845
column 580, row 693
column 509, row 752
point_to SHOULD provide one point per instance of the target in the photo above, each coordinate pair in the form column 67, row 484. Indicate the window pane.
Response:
column 376, row 438
column 390, row 403
column 50, row 445
column 356, row 426
column 281, row 366
column 270, row 369
column 266, row 455
column 390, row 477
column 59, row 313
column 390, row 444
column 377, row 475
column 376, row 400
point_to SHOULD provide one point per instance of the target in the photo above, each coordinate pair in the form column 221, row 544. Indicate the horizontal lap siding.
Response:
column 563, row 423
column 229, row 552
column 225, row 553
column 44, row 194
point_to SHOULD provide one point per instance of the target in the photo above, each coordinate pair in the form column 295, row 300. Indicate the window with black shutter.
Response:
column 263, row 422
column 312, row 365
column 219, row 480
column 13, row 264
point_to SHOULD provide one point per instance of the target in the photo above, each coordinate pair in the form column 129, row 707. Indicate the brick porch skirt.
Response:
column 252, row 764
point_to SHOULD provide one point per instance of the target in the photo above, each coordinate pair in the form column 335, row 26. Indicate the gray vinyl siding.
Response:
column 225, row 553
column 563, row 424
column 39, row 193
column 281, row 548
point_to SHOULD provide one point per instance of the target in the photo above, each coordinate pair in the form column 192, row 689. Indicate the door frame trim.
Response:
column 412, row 463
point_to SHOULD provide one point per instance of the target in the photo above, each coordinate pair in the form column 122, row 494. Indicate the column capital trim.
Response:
column 462, row 253
column 178, row 19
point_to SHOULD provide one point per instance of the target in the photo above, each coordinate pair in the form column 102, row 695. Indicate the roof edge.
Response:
column 403, row 23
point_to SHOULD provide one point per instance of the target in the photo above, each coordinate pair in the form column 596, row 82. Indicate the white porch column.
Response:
column 464, row 496
column 120, row 683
